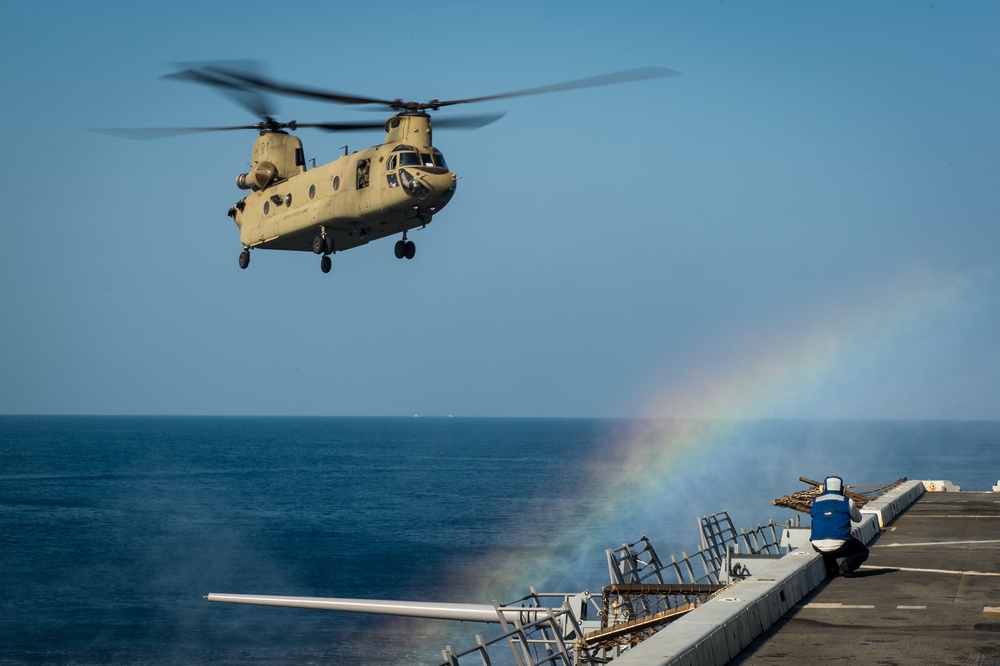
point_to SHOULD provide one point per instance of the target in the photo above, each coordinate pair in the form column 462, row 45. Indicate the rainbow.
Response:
column 785, row 369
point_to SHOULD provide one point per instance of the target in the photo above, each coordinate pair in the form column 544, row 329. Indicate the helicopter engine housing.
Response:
column 262, row 175
column 276, row 156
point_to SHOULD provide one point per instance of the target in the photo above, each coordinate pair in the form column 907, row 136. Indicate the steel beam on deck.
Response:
column 425, row 609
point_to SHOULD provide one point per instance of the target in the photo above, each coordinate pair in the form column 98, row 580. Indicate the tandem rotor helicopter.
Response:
column 370, row 194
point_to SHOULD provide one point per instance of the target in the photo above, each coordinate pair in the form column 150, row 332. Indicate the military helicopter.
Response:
column 381, row 191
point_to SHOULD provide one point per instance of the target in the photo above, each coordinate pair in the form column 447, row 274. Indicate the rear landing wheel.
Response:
column 244, row 259
column 325, row 264
column 400, row 249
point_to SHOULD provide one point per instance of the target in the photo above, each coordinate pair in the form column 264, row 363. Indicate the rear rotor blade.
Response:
column 161, row 132
column 263, row 83
column 228, row 85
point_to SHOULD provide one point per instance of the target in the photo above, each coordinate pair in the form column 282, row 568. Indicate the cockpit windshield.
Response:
column 409, row 159
column 410, row 156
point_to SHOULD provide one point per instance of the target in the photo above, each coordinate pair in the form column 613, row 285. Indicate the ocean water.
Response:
column 113, row 529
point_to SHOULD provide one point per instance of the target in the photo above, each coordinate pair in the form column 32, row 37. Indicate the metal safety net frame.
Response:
column 645, row 594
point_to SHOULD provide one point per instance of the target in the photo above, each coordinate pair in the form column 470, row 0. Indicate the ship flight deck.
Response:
column 929, row 593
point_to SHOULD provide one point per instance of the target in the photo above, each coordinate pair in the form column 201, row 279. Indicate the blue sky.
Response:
column 803, row 225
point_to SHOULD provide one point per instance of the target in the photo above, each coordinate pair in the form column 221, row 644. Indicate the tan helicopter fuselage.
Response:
column 370, row 194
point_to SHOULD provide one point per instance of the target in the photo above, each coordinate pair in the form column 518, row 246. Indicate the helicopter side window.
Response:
column 392, row 180
column 390, row 164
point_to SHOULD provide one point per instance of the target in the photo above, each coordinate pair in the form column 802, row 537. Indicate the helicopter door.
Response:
column 368, row 195
column 363, row 183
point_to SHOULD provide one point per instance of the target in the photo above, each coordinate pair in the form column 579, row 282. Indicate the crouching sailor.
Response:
column 832, row 513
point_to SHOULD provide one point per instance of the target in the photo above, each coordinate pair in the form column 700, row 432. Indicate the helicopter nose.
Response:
column 443, row 187
column 427, row 186
column 440, row 183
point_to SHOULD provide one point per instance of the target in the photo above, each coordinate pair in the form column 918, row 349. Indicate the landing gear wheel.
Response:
column 327, row 244
column 244, row 259
column 400, row 249
column 319, row 244
column 409, row 249
column 325, row 263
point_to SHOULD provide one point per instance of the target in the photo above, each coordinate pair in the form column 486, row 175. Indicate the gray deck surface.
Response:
column 915, row 601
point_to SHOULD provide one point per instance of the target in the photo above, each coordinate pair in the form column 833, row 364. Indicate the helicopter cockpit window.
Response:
column 390, row 167
column 426, row 159
column 409, row 159
column 439, row 159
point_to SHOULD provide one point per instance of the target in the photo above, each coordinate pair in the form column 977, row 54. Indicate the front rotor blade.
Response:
column 344, row 127
column 468, row 122
column 464, row 122
column 640, row 74
column 252, row 80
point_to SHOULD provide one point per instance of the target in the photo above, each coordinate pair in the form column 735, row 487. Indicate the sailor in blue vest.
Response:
column 832, row 513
